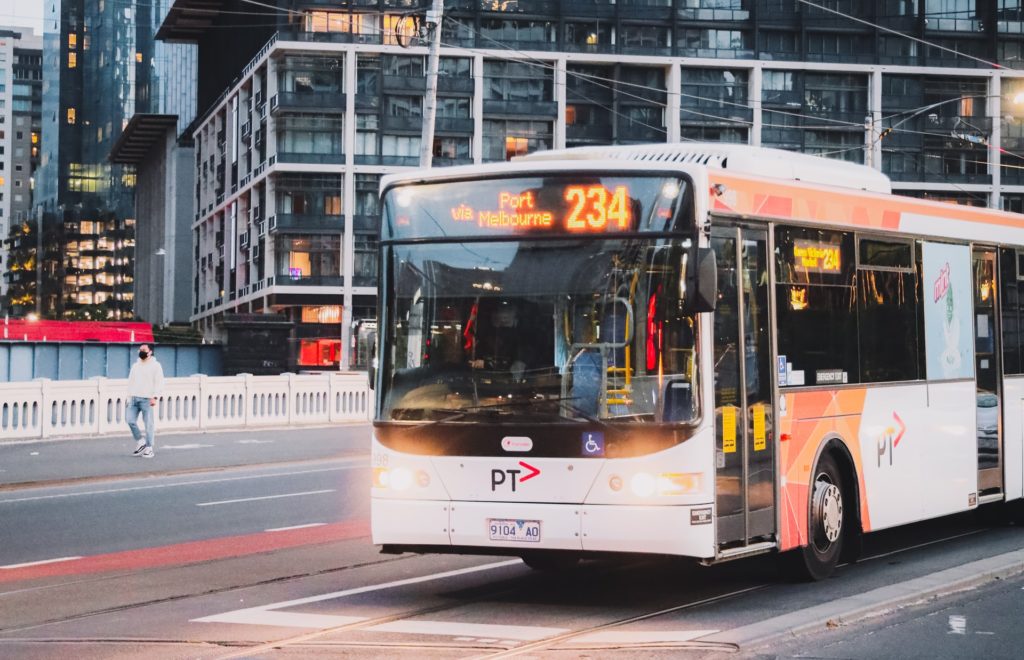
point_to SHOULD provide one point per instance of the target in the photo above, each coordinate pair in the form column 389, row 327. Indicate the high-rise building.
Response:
column 158, row 145
column 20, row 116
column 97, row 73
column 290, row 150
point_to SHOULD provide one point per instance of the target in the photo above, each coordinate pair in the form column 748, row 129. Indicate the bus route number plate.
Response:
column 505, row 529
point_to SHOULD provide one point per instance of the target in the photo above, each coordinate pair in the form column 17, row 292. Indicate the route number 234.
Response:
column 593, row 207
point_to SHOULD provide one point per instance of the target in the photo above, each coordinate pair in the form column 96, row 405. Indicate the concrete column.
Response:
column 558, row 139
column 674, row 84
column 754, row 92
column 478, row 109
column 993, row 109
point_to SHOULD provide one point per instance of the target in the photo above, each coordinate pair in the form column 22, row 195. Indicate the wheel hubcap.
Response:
column 827, row 512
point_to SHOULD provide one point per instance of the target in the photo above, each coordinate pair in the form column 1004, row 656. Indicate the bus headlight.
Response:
column 398, row 478
column 644, row 484
column 401, row 479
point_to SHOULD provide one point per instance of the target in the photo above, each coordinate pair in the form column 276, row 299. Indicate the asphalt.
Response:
column 70, row 460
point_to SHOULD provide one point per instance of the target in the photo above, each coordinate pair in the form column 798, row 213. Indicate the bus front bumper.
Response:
column 440, row 526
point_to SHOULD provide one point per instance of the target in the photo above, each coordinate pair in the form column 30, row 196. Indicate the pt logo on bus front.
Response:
column 510, row 477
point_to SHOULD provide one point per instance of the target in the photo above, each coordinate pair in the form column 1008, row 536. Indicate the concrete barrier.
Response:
column 44, row 408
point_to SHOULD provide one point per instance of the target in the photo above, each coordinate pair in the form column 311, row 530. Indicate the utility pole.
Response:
column 433, row 21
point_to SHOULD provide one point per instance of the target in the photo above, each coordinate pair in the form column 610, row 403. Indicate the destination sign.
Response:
column 815, row 257
column 557, row 205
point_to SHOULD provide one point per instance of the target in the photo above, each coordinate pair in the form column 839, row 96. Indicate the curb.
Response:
column 873, row 603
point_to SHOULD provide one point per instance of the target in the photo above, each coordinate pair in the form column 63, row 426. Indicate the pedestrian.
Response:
column 145, row 381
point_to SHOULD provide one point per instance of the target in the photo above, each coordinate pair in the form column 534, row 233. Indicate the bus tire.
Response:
column 827, row 524
column 550, row 562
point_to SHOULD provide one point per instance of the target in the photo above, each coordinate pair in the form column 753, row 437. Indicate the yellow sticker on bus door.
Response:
column 759, row 439
column 728, row 429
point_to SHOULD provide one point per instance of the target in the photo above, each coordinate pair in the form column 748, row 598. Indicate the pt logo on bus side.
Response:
column 511, row 476
column 890, row 439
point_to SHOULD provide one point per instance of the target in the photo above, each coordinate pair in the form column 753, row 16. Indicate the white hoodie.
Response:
column 146, row 379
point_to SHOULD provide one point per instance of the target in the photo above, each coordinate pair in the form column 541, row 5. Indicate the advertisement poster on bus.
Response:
column 949, row 335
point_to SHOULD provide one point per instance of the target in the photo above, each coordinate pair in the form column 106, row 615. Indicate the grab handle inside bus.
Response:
column 700, row 271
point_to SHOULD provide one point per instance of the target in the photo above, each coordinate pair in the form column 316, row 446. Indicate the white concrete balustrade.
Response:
column 44, row 409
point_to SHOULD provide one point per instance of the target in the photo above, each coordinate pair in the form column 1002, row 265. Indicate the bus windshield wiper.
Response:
column 455, row 414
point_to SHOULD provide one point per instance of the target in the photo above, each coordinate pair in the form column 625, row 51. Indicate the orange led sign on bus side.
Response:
column 813, row 257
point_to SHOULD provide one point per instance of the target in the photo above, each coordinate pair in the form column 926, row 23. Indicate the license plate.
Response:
column 505, row 529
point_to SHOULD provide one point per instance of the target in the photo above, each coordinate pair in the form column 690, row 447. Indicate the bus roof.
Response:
column 737, row 158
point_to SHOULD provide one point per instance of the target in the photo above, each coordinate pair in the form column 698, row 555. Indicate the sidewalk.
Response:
column 48, row 462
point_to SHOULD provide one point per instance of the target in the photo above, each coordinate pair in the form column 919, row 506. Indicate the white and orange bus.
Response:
column 698, row 350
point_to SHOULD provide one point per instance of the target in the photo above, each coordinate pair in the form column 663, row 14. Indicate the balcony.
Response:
column 518, row 109
column 315, row 280
column 640, row 133
column 589, row 132
column 454, row 125
column 324, row 102
column 404, row 84
column 716, row 115
column 306, row 223
column 366, row 223
column 314, row 159
column 404, row 124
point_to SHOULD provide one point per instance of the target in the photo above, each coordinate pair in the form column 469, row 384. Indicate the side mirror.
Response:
column 701, row 281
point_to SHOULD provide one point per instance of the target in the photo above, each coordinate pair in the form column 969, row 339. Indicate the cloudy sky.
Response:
column 22, row 13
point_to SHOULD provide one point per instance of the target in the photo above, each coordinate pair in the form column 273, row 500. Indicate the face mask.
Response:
column 143, row 355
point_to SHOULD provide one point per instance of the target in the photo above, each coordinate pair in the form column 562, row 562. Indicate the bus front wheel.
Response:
column 828, row 520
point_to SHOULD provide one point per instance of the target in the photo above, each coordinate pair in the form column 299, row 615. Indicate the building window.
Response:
column 72, row 40
column 321, row 314
column 71, row 115
column 72, row 60
column 517, row 81
column 504, row 139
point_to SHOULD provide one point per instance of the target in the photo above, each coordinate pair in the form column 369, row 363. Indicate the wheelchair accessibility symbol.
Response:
column 593, row 444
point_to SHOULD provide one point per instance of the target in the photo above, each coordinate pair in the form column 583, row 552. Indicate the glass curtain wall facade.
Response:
column 335, row 99
column 98, row 71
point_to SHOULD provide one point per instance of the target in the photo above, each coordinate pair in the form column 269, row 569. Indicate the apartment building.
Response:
column 288, row 158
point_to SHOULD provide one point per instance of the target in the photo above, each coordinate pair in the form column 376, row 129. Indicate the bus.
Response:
column 697, row 350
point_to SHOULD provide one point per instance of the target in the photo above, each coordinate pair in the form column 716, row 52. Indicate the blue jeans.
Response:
column 136, row 405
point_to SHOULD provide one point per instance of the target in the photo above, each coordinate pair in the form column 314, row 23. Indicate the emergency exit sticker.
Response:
column 759, row 439
column 728, row 429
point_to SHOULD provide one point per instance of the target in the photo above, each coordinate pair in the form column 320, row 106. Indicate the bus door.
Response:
column 744, row 450
column 987, row 350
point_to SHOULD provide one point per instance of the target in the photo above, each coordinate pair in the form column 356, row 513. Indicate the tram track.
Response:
column 504, row 588
column 315, row 639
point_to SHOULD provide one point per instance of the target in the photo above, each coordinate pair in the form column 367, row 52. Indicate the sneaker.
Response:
column 139, row 446
column 147, row 452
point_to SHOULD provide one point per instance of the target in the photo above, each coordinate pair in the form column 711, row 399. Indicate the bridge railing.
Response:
column 45, row 408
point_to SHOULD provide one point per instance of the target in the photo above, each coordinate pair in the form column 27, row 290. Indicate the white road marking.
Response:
column 191, row 446
column 260, row 617
column 957, row 625
column 351, row 464
column 253, row 441
column 453, row 628
column 38, row 563
column 266, row 497
column 252, row 612
column 640, row 636
column 285, row 529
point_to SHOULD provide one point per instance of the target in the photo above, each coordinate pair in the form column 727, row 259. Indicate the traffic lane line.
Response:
column 266, row 497
column 37, row 563
column 350, row 464
column 193, row 552
column 288, row 529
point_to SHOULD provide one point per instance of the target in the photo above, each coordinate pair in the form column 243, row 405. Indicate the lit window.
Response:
column 71, row 115
column 72, row 60
column 321, row 314
column 138, row 56
column 72, row 40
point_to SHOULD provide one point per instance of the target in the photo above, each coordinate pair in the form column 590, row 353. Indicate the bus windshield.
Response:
column 560, row 331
